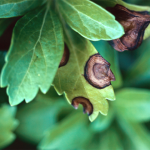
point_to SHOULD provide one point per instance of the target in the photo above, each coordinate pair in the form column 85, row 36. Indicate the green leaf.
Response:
column 70, row 78
column 136, row 133
column 40, row 115
column 4, row 23
column 111, row 55
column 8, row 124
column 103, row 122
column 90, row 20
column 34, row 55
column 71, row 133
column 138, row 73
column 12, row 8
column 110, row 140
column 133, row 104
column 112, row 3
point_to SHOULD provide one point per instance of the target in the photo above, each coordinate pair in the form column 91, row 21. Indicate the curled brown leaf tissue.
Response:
column 134, row 24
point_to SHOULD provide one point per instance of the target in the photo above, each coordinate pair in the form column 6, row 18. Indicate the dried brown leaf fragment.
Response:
column 87, row 106
column 134, row 24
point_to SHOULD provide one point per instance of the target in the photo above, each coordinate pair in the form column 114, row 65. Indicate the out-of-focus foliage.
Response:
column 8, row 124
column 41, row 114
column 49, row 122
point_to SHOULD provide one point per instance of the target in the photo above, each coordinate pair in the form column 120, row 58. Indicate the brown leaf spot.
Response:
column 97, row 72
column 65, row 57
column 87, row 106
column 134, row 24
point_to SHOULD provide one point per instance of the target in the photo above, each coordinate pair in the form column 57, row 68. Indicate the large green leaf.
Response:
column 136, row 133
column 34, row 55
column 90, row 20
column 133, row 104
column 111, row 55
column 112, row 3
column 70, row 78
column 8, row 124
column 41, row 114
column 12, row 8
column 71, row 133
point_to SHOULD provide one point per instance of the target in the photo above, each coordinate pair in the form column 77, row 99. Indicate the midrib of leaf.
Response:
column 27, row 72
column 88, row 16
column 17, row 40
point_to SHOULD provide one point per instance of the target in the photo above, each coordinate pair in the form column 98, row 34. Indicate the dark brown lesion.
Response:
column 97, row 72
column 65, row 57
column 134, row 24
column 87, row 106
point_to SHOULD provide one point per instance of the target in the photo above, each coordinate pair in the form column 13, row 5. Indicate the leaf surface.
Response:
column 133, row 104
column 70, row 78
column 90, row 20
column 12, row 8
column 8, row 124
column 34, row 55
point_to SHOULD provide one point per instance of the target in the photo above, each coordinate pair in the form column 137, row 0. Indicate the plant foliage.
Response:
column 38, row 87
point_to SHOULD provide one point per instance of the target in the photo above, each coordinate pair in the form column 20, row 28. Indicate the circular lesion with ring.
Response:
column 97, row 72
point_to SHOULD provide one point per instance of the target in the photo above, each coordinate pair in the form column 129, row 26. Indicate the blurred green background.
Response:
column 49, row 122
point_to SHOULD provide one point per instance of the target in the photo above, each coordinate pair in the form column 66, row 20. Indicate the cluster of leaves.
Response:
column 32, row 62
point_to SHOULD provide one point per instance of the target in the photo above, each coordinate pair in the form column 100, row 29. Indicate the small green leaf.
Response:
column 133, row 104
column 71, row 80
column 110, row 140
column 8, row 124
column 90, row 20
column 41, row 114
column 34, row 55
column 71, row 133
column 111, row 55
column 12, row 8
column 136, row 133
